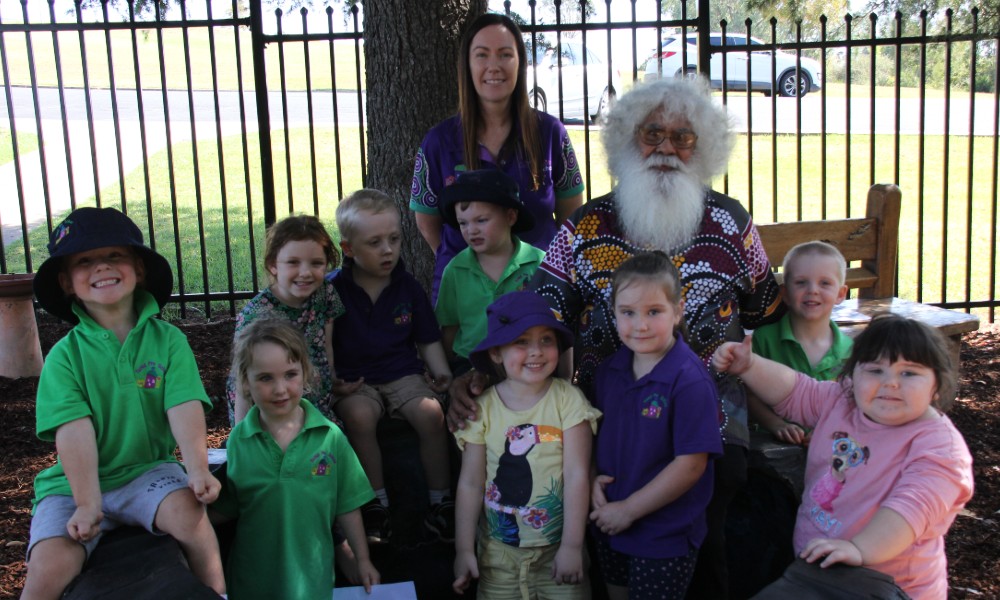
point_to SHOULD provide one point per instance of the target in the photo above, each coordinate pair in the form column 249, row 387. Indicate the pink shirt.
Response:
column 921, row 470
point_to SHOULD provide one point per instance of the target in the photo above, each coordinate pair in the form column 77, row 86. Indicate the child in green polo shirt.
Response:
column 290, row 476
column 118, row 394
column 806, row 338
column 485, row 206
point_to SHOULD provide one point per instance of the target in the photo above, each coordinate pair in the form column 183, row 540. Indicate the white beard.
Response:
column 659, row 210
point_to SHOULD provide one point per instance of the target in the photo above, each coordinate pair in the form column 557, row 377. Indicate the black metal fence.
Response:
column 209, row 121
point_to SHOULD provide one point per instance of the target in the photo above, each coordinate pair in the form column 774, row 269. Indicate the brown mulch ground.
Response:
column 973, row 544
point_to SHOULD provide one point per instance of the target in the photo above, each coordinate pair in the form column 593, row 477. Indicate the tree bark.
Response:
column 410, row 52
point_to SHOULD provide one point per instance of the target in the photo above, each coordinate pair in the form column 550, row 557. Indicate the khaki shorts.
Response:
column 509, row 573
column 390, row 397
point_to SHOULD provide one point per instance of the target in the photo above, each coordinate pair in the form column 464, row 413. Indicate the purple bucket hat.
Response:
column 510, row 316
column 89, row 228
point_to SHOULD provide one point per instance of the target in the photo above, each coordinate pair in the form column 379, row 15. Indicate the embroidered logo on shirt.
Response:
column 653, row 405
column 150, row 375
column 402, row 314
column 322, row 463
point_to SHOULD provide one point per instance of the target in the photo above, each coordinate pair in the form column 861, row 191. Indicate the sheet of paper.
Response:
column 388, row 591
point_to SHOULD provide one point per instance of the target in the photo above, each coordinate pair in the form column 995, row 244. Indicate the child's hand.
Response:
column 568, row 566
column 790, row 433
column 835, row 551
column 85, row 523
column 204, row 485
column 466, row 569
column 612, row 518
column 597, row 497
column 342, row 388
column 733, row 358
column 367, row 574
column 438, row 383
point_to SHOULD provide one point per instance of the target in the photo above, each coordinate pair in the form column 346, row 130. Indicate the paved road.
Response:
column 761, row 113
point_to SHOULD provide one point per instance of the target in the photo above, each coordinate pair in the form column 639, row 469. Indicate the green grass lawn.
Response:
column 26, row 143
column 223, row 234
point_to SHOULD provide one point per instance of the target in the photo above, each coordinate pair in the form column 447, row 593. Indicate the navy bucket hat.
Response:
column 510, row 316
column 485, row 185
column 87, row 229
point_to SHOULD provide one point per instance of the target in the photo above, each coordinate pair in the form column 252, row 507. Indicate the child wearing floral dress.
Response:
column 525, row 463
column 298, row 252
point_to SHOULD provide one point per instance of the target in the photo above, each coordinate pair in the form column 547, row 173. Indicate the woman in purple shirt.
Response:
column 495, row 128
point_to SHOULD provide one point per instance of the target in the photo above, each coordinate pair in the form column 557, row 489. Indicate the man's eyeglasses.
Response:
column 653, row 135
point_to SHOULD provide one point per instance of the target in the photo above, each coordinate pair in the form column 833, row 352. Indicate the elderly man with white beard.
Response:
column 665, row 140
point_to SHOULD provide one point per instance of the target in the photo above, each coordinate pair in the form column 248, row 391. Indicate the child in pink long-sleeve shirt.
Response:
column 886, row 473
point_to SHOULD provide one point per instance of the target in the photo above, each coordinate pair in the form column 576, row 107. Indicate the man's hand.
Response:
column 204, row 485
column 462, row 394
column 85, row 523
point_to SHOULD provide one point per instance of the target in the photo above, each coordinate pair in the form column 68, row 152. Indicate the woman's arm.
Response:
column 468, row 504
column 430, row 228
column 577, row 442
column 566, row 206
column 671, row 483
column 883, row 538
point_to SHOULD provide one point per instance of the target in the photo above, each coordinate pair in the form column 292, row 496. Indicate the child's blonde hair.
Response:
column 270, row 330
column 364, row 200
column 653, row 267
column 817, row 248
column 892, row 337
column 296, row 228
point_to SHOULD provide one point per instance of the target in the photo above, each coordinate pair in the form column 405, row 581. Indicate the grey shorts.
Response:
column 390, row 397
column 134, row 503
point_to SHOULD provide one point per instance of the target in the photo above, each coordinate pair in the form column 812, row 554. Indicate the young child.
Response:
column 118, row 394
column 384, row 341
column 806, row 338
column 291, row 474
column 298, row 253
column 891, row 473
column 525, row 462
column 485, row 206
column 661, row 427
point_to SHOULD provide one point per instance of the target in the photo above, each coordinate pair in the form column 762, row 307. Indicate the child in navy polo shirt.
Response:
column 387, row 339
column 660, row 428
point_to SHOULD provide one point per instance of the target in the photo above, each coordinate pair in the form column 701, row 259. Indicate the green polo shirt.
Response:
column 286, row 503
column 125, row 390
column 466, row 290
column 777, row 342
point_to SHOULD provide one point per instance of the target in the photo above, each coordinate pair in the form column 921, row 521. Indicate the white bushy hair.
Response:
column 687, row 98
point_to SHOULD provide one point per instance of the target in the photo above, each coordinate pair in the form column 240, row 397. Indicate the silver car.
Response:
column 761, row 77
column 601, row 92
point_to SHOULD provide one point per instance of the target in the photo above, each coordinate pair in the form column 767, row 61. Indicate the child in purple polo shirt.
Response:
column 660, row 428
column 386, row 340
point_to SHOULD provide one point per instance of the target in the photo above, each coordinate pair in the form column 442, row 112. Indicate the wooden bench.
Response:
column 871, row 243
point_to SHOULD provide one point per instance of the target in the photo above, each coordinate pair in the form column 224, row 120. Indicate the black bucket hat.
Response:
column 485, row 185
column 510, row 316
column 87, row 229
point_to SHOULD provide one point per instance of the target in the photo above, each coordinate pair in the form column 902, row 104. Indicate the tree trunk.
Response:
column 410, row 52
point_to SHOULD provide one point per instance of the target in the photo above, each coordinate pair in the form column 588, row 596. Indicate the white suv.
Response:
column 601, row 93
column 783, row 77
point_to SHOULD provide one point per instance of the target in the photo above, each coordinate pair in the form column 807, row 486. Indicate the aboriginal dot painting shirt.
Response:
column 727, row 285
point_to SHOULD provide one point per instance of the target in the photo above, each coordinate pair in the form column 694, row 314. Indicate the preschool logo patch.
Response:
column 402, row 314
column 322, row 463
column 653, row 405
column 150, row 375
column 61, row 232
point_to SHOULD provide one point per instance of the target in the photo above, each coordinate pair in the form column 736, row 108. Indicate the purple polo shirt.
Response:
column 672, row 410
column 378, row 341
column 441, row 157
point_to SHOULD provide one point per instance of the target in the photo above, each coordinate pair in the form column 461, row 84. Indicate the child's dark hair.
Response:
column 270, row 330
column 893, row 337
column 654, row 267
column 296, row 228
